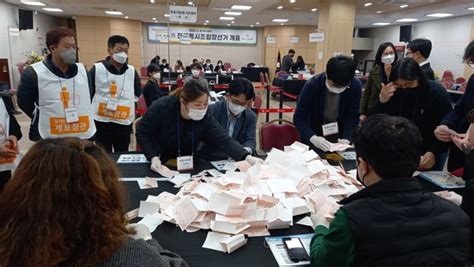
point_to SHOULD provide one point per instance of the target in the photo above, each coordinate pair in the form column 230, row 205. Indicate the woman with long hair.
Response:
column 64, row 207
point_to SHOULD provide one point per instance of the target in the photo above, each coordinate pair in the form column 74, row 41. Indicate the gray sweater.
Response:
column 141, row 253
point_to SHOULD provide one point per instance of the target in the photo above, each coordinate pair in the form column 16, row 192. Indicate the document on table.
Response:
column 147, row 183
column 180, row 179
column 131, row 158
column 152, row 221
column 219, row 165
column 280, row 252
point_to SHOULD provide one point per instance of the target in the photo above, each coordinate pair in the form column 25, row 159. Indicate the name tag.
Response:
column 185, row 163
column 330, row 129
column 112, row 104
column 71, row 115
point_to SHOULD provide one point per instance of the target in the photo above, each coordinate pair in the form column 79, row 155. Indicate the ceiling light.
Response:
column 153, row 18
column 314, row 9
column 251, row 26
column 280, row 7
column 381, row 23
column 292, row 1
column 228, row 25
column 233, row 13
column 181, row 22
column 367, row 4
column 378, row 12
column 190, row 3
column 207, row 21
column 280, row 20
column 113, row 12
column 33, row 3
column 257, row 23
column 403, row 6
column 226, row 18
column 152, row 1
column 52, row 9
column 440, row 15
column 167, row 15
column 126, row 17
column 470, row 8
column 282, row 24
column 407, row 20
column 233, row 22
column 240, row 7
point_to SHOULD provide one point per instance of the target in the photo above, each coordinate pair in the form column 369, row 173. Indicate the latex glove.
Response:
column 427, row 161
column 344, row 141
column 462, row 142
column 155, row 164
column 253, row 160
column 362, row 118
column 142, row 232
column 320, row 142
column 249, row 150
column 319, row 219
column 451, row 196
column 443, row 133
column 387, row 92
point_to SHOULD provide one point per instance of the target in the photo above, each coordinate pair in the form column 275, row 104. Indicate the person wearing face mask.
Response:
column 457, row 119
column 235, row 117
column 410, row 95
column 178, row 67
column 164, row 65
column 391, row 222
column 173, row 127
column 116, row 83
column 197, row 74
column 208, row 65
column 219, row 67
column 384, row 59
column 328, row 106
column 152, row 91
column 287, row 61
column 420, row 50
column 56, row 93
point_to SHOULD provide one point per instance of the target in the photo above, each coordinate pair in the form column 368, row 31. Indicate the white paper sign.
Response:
column 183, row 14
column 316, row 37
column 294, row 40
column 271, row 40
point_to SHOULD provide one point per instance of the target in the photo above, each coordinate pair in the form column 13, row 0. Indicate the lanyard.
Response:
column 179, row 136
column 108, row 83
column 73, row 89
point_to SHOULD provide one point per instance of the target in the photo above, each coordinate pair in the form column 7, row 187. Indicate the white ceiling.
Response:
column 263, row 11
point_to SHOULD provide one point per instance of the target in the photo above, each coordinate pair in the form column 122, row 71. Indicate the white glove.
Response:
column 344, row 141
column 319, row 219
column 155, row 164
column 320, row 142
column 142, row 232
column 248, row 149
column 253, row 160
column 451, row 196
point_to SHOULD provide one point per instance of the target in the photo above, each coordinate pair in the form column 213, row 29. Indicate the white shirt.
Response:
column 424, row 63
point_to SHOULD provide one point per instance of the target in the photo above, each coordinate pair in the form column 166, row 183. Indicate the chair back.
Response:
column 273, row 135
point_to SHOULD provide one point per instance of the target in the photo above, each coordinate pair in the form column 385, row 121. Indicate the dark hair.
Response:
column 66, row 199
column 381, row 49
column 291, row 51
column 340, row 70
column 152, row 68
column 55, row 35
column 300, row 59
column 164, row 60
column 392, row 146
column 408, row 69
column 191, row 91
column 421, row 45
column 118, row 39
column 180, row 63
column 242, row 86
column 220, row 61
column 468, row 53
column 196, row 66
column 208, row 60
column 195, row 60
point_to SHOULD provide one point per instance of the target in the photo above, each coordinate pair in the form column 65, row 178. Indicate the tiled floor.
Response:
column 24, row 122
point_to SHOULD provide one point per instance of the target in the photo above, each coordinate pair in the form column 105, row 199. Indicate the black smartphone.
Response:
column 295, row 249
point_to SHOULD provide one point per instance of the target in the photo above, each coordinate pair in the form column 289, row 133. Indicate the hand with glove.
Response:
column 320, row 142
column 253, row 160
column 142, row 232
column 155, row 164
column 344, row 141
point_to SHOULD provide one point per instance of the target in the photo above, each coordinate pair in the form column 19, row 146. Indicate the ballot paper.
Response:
column 180, row 179
column 148, row 208
column 166, row 172
column 132, row 214
column 224, row 242
column 336, row 147
column 151, row 221
column 279, row 217
column 243, row 165
column 233, row 243
column 147, row 183
column 219, row 165
column 185, row 213
column 131, row 158
column 229, row 166
column 306, row 221
column 310, row 155
column 279, row 251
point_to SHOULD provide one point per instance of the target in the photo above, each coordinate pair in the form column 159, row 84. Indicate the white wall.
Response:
column 449, row 36
column 27, row 41
column 237, row 55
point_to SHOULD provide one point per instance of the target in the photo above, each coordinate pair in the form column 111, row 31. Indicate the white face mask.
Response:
column 157, row 76
column 471, row 65
column 195, row 72
column 196, row 114
column 388, row 59
column 235, row 109
column 120, row 57
column 336, row 90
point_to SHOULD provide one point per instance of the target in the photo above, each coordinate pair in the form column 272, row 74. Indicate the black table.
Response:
column 189, row 245
column 253, row 74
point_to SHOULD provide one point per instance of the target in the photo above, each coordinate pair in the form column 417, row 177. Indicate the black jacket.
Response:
column 14, row 128
column 27, row 94
column 151, row 92
column 468, row 194
column 428, row 71
column 395, row 223
column 157, row 132
column 426, row 107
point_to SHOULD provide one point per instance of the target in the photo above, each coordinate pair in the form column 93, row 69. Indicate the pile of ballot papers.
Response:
column 249, row 202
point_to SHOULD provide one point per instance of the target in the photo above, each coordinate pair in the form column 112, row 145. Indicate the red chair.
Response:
column 460, row 80
column 141, row 106
column 227, row 66
column 273, row 135
column 143, row 73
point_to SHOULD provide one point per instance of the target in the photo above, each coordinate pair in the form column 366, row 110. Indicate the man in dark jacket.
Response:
column 235, row 117
column 420, row 50
column 328, row 106
column 392, row 222
column 287, row 61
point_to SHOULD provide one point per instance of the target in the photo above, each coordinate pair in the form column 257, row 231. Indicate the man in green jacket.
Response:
column 391, row 222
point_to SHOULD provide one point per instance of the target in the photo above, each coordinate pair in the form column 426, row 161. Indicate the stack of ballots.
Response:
column 256, row 199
